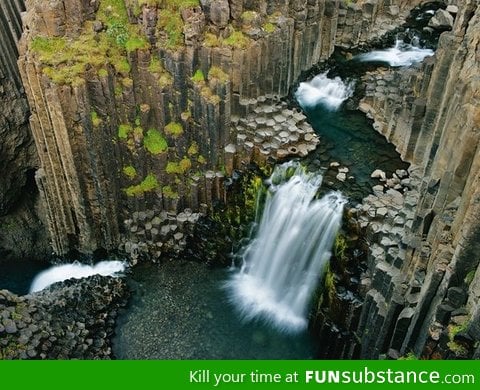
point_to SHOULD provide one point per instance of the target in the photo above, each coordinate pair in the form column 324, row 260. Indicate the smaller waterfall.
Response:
column 59, row 273
column 330, row 93
column 402, row 54
column 283, row 264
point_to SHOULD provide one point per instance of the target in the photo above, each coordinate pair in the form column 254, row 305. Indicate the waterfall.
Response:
column 402, row 54
column 59, row 273
column 282, row 265
column 330, row 93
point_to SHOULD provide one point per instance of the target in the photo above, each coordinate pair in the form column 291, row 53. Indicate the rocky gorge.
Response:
column 125, row 121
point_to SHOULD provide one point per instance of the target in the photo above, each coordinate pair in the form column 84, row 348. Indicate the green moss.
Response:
column 149, row 184
column 408, row 356
column 136, row 43
column 209, row 95
column 96, row 121
column 122, row 65
column 248, row 16
column 201, row 160
column 182, row 4
column 254, row 196
column 138, row 132
column 453, row 330
column 457, row 348
column 178, row 168
column 51, row 50
column 237, row 39
column 149, row 3
column 171, row 24
column 130, row 172
column 340, row 248
column 173, row 168
column 155, row 66
column 193, row 149
column 329, row 286
column 185, row 164
column 218, row 74
column 168, row 192
column 124, row 131
column 469, row 278
column 211, row 40
column 118, row 90
column 112, row 11
column 198, row 77
column 174, row 129
column 154, row 142
column 165, row 80
column 102, row 73
column 16, row 316
column 269, row 27
column 127, row 82
column 66, row 60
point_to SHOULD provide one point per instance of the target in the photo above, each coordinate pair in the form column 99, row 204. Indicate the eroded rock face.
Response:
column 17, row 148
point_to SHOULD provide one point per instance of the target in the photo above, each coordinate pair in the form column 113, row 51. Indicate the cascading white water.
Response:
column 330, row 93
column 59, row 273
column 283, row 263
column 402, row 54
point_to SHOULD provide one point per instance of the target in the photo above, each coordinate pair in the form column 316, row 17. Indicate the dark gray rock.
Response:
column 10, row 326
column 443, row 314
column 456, row 296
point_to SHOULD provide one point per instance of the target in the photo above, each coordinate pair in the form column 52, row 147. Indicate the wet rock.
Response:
column 378, row 174
column 453, row 9
column 441, row 20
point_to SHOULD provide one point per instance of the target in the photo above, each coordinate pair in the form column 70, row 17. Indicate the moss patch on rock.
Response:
column 150, row 183
column 154, row 142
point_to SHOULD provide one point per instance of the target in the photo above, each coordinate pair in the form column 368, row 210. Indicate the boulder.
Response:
column 378, row 174
column 441, row 20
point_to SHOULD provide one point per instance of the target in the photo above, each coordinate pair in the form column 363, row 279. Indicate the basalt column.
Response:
column 142, row 108
column 429, row 302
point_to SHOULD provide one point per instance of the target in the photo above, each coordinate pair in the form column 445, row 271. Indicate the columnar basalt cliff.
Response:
column 424, row 298
column 21, row 231
column 141, row 108
column 137, row 105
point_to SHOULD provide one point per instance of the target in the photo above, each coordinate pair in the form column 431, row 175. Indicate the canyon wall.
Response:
column 140, row 108
column 17, row 147
column 21, row 230
column 426, row 301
